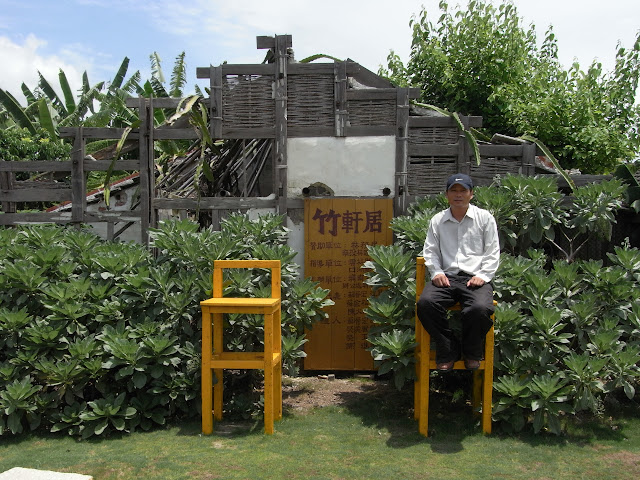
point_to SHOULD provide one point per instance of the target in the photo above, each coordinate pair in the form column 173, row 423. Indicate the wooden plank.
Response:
column 318, row 347
column 302, row 132
column 434, row 150
column 100, row 133
column 158, row 102
column 264, row 132
column 36, row 195
column 35, row 166
column 425, row 121
column 216, row 203
column 146, row 157
column 365, row 76
column 371, row 131
column 215, row 109
column 311, row 69
column 340, row 97
column 238, row 69
column 7, row 180
column 402, row 151
column 103, row 165
column 280, row 144
column 174, row 134
column 263, row 42
column 501, row 150
column 373, row 94
column 78, row 180
column 32, row 217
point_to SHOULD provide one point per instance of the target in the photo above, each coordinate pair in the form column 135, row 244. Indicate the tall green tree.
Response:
column 483, row 60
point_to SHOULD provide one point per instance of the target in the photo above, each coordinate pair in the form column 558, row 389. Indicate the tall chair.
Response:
column 215, row 359
column 426, row 361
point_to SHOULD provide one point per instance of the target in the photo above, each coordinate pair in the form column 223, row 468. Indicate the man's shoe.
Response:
column 470, row 364
column 445, row 366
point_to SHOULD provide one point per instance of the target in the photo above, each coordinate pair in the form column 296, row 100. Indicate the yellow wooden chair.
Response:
column 426, row 361
column 215, row 359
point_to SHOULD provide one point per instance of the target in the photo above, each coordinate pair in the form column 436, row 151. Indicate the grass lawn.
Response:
column 371, row 434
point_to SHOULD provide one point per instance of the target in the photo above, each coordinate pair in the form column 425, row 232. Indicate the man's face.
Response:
column 458, row 196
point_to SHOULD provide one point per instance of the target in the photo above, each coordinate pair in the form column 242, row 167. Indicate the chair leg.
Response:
column 218, row 391
column 425, row 357
column 476, row 397
column 206, row 383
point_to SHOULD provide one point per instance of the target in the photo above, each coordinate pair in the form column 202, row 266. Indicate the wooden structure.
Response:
column 215, row 359
column 426, row 361
column 272, row 102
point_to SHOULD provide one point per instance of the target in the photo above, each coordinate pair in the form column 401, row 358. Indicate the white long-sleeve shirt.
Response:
column 470, row 246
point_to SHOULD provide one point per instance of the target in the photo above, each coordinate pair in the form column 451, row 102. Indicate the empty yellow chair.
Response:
column 215, row 359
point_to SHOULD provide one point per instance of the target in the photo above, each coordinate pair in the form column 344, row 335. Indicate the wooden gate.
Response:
column 337, row 232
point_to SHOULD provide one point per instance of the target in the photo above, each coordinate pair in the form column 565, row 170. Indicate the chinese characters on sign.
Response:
column 337, row 232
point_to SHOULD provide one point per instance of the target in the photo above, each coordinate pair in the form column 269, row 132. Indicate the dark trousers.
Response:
column 477, row 308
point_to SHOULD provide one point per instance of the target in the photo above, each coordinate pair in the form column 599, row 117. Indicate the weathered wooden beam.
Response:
column 36, row 166
column 209, row 203
column 374, row 93
column 340, row 97
column 101, row 133
column 264, row 42
column 425, row 121
column 370, row 131
column 238, row 69
column 78, row 179
column 103, row 165
column 36, row 195
column 435, row 150
column 282, row 42
column 263, row 132
column 402, row 157
column 215, row 109
column 158, row 102
column 366, row 77
column 175, row 134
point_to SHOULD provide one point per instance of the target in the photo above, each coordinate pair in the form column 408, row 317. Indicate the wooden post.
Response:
column 528, row 159
column 146, row 158
column 78, row 186
column 463, row 162
column 282, row 42
column 340, row 96
column 402, row 139
column 215, row 108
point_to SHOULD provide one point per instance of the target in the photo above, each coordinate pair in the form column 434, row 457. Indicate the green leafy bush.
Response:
column 97, row 337
column 567, row 329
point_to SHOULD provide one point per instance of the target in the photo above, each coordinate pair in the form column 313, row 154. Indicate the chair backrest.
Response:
column 220, row 265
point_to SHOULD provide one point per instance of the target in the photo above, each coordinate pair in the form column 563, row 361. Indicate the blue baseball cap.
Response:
column 460, row 179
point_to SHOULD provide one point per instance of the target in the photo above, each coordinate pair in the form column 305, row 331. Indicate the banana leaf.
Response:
column 16, row 111
column 46, row 113
column 69, row 99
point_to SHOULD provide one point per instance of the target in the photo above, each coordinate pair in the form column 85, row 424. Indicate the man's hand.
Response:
column 440, row 280
column 475, row 282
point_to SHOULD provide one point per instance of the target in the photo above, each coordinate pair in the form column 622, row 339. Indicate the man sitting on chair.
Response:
column 462, row 253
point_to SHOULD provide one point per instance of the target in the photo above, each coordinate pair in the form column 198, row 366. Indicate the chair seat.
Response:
column 241, row 305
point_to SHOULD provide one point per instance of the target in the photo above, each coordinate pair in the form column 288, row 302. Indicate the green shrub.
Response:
column 99, row 336
column 567, row 329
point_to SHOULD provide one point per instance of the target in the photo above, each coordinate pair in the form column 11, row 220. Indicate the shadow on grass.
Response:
column 383, row 406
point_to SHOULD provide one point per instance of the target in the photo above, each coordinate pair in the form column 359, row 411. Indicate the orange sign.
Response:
column 337, row 232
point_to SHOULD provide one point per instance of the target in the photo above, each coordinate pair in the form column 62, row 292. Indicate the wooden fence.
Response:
column 274, row 101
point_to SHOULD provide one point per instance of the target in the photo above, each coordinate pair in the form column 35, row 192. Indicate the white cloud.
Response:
column 26, row 60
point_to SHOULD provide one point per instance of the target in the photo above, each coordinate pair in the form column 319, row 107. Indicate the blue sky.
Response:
column 95, row 35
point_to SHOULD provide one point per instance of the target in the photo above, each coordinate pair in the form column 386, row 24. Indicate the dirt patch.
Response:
column 301, row 394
